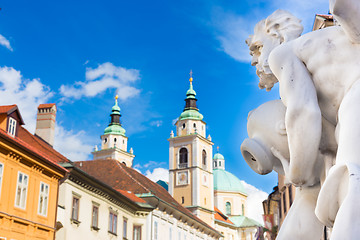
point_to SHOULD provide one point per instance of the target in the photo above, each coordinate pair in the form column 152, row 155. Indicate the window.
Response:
column 112, row 222
column 155, row 231
column 75, row 208
column 182, row 200
column 243, row 209
column 43, row 199
column 125, row 228
column 137, row 233
column 194, row 125
column 204, row 157
column 21, row 190
column 290, row 195
column 95, row 217
column 215, row 164
column 12, row 127
column 219, row 164
column 228, row 208
column 1, row 174
column 183, row 158
column 183, row 126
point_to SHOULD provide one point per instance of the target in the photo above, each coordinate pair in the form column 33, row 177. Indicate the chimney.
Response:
column 45, row 122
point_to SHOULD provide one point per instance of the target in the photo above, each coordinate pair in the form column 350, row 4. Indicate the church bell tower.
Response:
column 114, row 140
column 190, row 161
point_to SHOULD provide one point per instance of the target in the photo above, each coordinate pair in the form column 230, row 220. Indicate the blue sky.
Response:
column 79, row 54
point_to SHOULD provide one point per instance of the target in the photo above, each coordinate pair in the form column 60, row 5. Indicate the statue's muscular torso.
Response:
column 334, row 63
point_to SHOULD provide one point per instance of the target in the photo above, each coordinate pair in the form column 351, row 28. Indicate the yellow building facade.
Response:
column 29, row 180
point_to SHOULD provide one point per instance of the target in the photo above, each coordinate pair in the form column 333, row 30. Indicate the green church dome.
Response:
column 191, row 114
column 225, row 181
column 191, row 92
column 115, row 129
column 218, row 156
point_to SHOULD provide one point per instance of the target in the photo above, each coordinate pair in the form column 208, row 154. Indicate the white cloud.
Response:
column 156, row 123
column 26, row 93
column 98, row 80
column 72, row 145
column 150, row 164
column 158, row 174
column 254, row 202
column 5, row 42
column 232, row 30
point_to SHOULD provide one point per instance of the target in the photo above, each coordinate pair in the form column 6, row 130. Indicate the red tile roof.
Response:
column 118, row 176
column 7, row 109
column 38, row 145
column 29, row 142
column 221, row 217
column 46, row 105
column 131, row 196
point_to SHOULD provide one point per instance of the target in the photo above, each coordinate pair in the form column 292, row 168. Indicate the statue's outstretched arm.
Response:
column 347, row 13
column 303, row 115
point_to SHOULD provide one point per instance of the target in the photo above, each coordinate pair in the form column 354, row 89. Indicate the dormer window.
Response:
column 12, row 127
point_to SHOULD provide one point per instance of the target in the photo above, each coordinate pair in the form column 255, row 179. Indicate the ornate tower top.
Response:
column 114, row 141
column 191, row 111
column 115, row 124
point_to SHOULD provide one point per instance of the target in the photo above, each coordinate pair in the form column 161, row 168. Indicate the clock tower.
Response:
column 190, row 161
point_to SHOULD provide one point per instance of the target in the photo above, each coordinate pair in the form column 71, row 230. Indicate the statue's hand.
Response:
column 284, row 162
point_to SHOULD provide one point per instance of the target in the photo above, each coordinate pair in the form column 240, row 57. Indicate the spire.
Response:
column 191, row 111
column 191, row 93
column 115, row 124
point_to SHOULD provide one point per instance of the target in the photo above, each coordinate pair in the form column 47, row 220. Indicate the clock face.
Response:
column 182, row 178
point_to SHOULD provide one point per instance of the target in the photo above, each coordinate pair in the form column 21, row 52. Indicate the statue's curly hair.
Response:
column 280, row 24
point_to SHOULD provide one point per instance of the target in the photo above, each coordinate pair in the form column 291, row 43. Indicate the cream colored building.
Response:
column 89, row 209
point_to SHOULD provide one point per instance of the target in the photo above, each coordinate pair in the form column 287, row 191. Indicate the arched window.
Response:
column 215, row 165
column 204, row 157
column 228, row 208
column 183, row 158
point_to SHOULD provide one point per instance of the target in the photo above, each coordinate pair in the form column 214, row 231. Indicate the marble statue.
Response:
column 265, row 150
column 318, row 75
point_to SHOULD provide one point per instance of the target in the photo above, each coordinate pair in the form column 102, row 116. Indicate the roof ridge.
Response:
column 42, row 142
column 129, row 175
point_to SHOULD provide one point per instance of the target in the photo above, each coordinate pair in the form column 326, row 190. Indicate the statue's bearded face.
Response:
column 260, row 49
